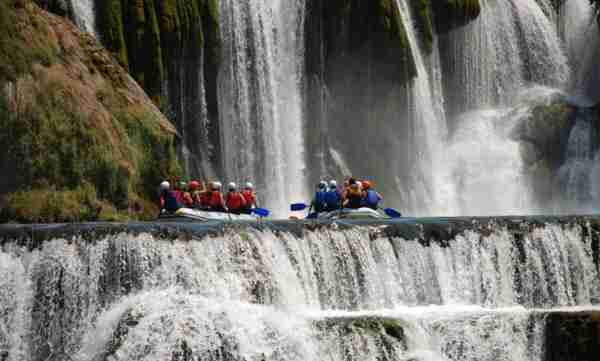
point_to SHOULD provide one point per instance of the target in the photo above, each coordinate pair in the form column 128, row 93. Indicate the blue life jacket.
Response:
column 320, row 201
column 333, row 199
column 171, row 203
column 371, row 200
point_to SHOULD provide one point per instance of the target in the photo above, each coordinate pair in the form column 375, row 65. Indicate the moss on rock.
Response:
column 21, row 47
column 110, row 23
column 422, row 14
column 149, row 37
column 77, row 131
column 449, row 14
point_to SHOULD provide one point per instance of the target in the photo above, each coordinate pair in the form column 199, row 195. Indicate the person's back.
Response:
column 353, row 197
column 216, row 202
column 168, row 199
column 371, row 198
column 320, row 201
column 249, row 197
column 234, row 200
column 333, row 200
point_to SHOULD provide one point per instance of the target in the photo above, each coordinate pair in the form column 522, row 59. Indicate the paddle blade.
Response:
column 298, row 207
column 261, row 212
column 392, row 213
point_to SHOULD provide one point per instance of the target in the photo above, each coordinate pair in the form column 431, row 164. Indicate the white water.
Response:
column 250, row 295
column 260, row 99
column 84, row 15
column 511, row 44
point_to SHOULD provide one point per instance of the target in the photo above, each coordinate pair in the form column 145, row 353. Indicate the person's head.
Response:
column 249, row 186
column 165, row 186
column 216, row 186
column 322, row 185
column 359, row 184
column 354, row 186
column 183, row 186
column 194, row 185
column 351, row 181
column 232, row 187
column 366, row 185
column 332, row 184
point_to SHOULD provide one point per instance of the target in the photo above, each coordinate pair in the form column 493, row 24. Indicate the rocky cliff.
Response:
column 81, row 140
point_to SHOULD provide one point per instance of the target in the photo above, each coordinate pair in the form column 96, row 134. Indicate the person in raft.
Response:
column 234, row 200
column 370, row 197
column 250, row 198
column 168, row 199
column 216, row 203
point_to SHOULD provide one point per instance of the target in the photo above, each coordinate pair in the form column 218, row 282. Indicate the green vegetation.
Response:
column 147, row 36
column 449, row 14
column 79, row 140
column 111, row 24
column 19, row 48
column 422, row 14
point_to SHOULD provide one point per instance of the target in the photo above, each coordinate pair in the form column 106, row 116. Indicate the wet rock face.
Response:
column 449, row 14
column 573, row 336
column 58, row 7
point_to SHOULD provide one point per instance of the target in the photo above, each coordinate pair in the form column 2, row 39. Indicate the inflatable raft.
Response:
column 361, row 213
column 204, row 216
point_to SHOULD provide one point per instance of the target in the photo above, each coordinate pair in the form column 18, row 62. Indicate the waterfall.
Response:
column 84, row 15
column 512, row 44
column 260, row 87
column 430, row 190
column 338, row 293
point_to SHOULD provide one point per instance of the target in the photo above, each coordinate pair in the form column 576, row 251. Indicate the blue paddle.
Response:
column 261, row 212
column 392, row 213
column 298, row 207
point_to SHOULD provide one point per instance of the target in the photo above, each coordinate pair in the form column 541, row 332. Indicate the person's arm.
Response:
column 379, row 196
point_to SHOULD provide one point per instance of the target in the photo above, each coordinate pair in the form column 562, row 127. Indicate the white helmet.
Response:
column 359, row 183
column 217, row 185
column 322, row 184
column 332, row 184
column 165, row 186
column 232, row 186
column 249, row 186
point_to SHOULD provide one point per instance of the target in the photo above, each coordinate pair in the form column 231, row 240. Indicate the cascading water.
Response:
column 260, row 89
column 275, row 295
column 511, row 44
column 430, row 190
column 84, row 15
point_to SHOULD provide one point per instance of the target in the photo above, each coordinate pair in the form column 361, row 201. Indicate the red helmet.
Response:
column 194, row 185
column 366, row 184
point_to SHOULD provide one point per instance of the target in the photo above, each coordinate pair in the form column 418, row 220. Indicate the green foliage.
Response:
column 146, row 36
column 110, row 23
column 142, row 35
column 52, row 205
column 19, row 47
column 395, row 31
column 421, row 12
column 209, row 10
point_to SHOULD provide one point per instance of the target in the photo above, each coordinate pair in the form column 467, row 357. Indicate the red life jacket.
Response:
column 205, row 198
column 250, row 198
column 216, row 200
column 187, row 199
column 235, row 201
